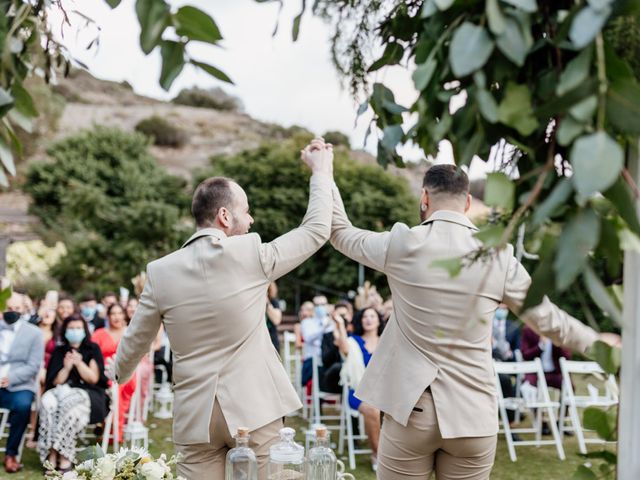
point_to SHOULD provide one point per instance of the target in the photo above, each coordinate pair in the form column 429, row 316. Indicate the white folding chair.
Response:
column 573, row 402
column 134, row 432
column 293, row 366
column 162, row 402
column 346, row 430
column 540, row 404
column 318, row 396
column 4, row 431
column 88, row 436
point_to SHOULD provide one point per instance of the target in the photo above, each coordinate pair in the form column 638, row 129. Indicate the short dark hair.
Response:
column 89, row 297
column 358, row 328
column 446, row 179
column 211, row 195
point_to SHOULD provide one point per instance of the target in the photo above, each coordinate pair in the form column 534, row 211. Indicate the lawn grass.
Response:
column 533, row 463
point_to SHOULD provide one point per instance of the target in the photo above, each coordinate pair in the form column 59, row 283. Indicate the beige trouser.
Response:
column 206, row 461
column 417, row 450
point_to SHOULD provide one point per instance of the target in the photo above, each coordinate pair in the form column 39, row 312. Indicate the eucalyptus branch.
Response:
column 627, row 177
column 602, row 81
column 535, row 193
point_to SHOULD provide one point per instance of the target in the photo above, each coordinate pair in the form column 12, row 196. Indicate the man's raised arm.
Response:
column 288, row 251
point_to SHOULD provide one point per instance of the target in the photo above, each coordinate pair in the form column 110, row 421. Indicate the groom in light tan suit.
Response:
column 432, row 373
column 210, row 296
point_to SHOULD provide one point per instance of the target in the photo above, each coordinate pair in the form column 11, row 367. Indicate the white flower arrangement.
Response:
column 126, row 464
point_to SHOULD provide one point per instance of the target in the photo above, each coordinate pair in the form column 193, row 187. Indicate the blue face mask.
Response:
column 88, row 313
column 321, row 311
column 75, row 336
column 501, row 314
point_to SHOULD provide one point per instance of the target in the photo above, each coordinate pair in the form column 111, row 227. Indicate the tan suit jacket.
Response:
column 439, row 334
column 211, row 297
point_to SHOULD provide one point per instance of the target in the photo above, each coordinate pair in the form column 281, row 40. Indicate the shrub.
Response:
column 337, row 139
column 163, row 133
column 214, row 98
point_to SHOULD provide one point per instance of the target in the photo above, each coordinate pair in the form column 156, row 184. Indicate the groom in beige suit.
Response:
column 432, row 373
column 210, row 297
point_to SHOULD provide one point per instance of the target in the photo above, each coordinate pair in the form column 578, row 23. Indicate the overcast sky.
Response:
column 276, row 79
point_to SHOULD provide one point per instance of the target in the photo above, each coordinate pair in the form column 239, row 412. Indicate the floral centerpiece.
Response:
column 127, row 464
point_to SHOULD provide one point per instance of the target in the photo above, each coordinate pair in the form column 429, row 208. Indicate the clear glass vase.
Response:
column 286, row 458
column 241, row 460
column 321, row 461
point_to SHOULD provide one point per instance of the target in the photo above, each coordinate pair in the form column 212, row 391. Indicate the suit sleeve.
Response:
column 22, row 373
column 363, row 246
column 547, row 318
column 288, row 251
column 139, row 335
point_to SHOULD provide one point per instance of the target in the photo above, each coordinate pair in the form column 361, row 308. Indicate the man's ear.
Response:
column 468, row 203
column 424, row 200
column 224, row 217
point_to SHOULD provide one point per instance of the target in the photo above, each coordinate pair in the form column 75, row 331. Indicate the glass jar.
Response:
column 322, row 462
column 286, row 458
column 241, row 461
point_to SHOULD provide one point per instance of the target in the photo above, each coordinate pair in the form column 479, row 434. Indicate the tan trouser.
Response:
column 206, row 461
column 417, row 450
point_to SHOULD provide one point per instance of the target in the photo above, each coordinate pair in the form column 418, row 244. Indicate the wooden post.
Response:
column 629, row 417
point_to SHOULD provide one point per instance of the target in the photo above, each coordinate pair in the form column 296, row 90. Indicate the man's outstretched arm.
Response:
column 288, row 251
column 363, row 246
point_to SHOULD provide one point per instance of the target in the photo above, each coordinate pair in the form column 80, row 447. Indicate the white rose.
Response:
column 152, row 471
column 70, row 475
column 105, row 469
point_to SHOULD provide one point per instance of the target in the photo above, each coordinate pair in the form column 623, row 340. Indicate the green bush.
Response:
column 163, row 133
column 337, row 139
column 114, row 208
column 214, row 98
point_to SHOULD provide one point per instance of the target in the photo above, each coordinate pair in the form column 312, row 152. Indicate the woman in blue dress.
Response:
column 357, row 350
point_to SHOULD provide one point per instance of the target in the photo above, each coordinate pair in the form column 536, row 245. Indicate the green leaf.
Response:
column 113, row 3
column 6, row 157
column 601, row 421
column 576, row 72
column 213, row 71
column 470, row 49
column 600, row 296
column 599, row 4
column 528, row 6
column 579, row 237
column 569, row 130
column 584, row 110
column 487, row 106
column 621, row 197
column 172, row 62
column 364, row 106
column 5, row 294
column 543, row 279
column 586, row 25
column 393, row 107
column 6, row 102
column 495, row 17
column 428, row 9
column 557, row 198
column 444, row 4
column 629, row 241
column 391, row 136
column 451, row 265
column 623, row 105
column 90, row 453
column 490, row 235
column 499, row 191
column 439, row 128
column 392, row 55
column 513, row 43
column 423, row 74
column 472, row 147
column 24, row 122
column 605, row 455
column 295, row 29
column 597, row 160
column 515, row 110
column 197, row 25
column 154, row 16
column 23, row 101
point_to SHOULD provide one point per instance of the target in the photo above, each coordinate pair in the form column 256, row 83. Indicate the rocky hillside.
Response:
column 89, row 101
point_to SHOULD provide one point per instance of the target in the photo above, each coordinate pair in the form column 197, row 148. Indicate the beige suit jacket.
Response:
column 211, row 297
column 439, row 334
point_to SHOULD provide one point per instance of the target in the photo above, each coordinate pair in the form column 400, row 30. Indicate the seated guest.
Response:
column 312, row 329
column 357, row 350
column 331, row 359
column 273, row 314
column 66, row 307
column 306, row 311
column 75, row 394
column 50, row 332
column 505, row 340
column 21, row 354
column 89, row 312
column 108, row 339
column 532, row 346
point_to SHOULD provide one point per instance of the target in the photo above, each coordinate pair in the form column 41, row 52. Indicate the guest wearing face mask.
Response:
column 108, row 340
column 76, row 394
column 21, row 353
column 89, row 312
column 312, row 330
column 505, row 335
